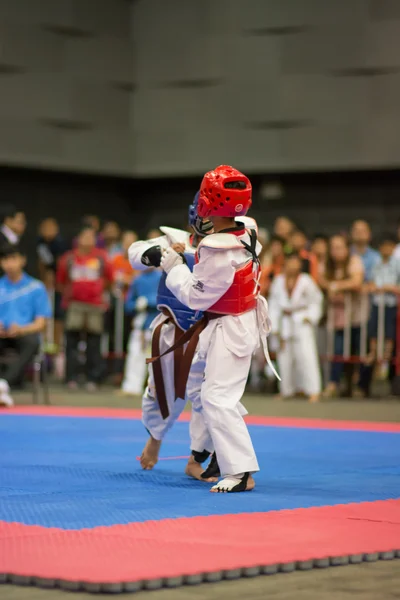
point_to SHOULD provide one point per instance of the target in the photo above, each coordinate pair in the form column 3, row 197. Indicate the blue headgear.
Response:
column 200, row 226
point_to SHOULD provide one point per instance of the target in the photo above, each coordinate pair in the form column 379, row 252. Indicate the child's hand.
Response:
column 178, row 247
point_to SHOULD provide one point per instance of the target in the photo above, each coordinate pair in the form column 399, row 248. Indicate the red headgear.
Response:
column 224, row 192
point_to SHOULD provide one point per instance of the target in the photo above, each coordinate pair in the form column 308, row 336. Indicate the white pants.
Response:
column 152, row 418
column 221, row 392
column 299, row 365
column 135, row 364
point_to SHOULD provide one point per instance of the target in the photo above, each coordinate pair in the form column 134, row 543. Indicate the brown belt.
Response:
column 183, row 361
column 157, row 367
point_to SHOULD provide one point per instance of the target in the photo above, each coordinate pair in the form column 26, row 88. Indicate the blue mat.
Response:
column 75, row 473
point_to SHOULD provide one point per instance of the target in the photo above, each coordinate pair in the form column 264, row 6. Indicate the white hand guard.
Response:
column 170, row 259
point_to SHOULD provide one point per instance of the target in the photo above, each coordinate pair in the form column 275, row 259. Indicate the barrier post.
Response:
column 347, row 327
column 119, row 326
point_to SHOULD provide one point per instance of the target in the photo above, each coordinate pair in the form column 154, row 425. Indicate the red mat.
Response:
column 202, row 545
column 133, row 413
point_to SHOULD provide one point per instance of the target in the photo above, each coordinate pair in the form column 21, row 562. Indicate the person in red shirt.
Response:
column 84, row 275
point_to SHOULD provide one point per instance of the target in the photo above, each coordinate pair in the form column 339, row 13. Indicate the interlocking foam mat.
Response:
column 77, row 511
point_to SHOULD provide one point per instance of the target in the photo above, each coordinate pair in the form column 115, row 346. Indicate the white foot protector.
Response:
column 231, row 484
column 5, row 398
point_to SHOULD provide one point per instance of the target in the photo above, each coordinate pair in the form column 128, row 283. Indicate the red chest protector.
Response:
column 242, row 295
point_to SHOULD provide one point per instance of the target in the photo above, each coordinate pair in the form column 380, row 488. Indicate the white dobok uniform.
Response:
column 226, row 345
column 298, row 360
column 152, row 418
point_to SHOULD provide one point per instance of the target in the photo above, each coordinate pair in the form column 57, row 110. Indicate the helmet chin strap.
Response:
column 202, row 227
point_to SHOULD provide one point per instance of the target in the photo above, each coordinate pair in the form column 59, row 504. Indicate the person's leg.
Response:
column 286, row 359
column 94, row 359
column 26, row 346
column 223, row 387
column 306, row 357
column 336, row 366
column 72, row 357
column 152, row 418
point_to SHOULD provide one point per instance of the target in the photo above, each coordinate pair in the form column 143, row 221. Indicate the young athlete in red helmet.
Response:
column 224, row 284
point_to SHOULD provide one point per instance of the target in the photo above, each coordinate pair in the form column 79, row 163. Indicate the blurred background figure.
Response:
column 13, row 225
column 50, row 247
column 141, row 304
column 299, row 243
column 296, row 308
column 153, row 234
column 343, row 273
column 361, row 236
column 385, row 287
column 118, row 321
column 111, row 234
column 84, row 275
column 24, row 310
column 269, row 270
column 319, row 248
column 283, row 228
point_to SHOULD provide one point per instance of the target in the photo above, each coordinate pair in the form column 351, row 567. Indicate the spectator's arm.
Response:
column 274, row 305
column 265, row 280
column 42, row 311
column 108, row 273
column 314, row 303
column 37, row 326
column 354, row 282
column 314, row 267
column 62, row 273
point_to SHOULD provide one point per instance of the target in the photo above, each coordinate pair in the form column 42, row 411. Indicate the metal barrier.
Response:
column 364, row 301
column 351, row 320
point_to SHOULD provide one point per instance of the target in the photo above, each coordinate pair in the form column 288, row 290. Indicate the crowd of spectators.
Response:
column 83, row 282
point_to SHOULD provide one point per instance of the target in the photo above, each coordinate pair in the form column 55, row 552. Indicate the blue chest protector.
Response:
column 184, row 317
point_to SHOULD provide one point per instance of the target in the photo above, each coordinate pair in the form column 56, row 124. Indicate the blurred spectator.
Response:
column 274, row 268
column 123, row 272
column 153, row 233
column 118, row 322
column 12, row 227
column 385, row 286
column 361, row 239
column 283, row 228
column 397, row 250
column 298, row 242
column 343, row 273
column 111, row 235
column 24, row 309
column 93, row 222
column 295, row 308
column 142, row 303
column 84, row 275
column 319, row 248
column 50, row 247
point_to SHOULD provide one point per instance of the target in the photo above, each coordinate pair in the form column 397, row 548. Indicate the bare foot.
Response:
column 150, row 454
column 195, row 470
column 227, row 483
column 313, row 399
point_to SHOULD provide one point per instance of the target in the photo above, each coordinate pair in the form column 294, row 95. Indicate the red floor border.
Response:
column 176, row 547
column 133, row 413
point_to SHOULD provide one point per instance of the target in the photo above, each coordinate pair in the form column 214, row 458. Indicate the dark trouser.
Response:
column 94, row 360
column 26, row 347
column 338, row 368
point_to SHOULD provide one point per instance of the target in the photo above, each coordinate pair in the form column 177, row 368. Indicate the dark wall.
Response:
column 326, row 202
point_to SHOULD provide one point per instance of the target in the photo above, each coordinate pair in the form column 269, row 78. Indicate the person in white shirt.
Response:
column 385, row 288
column 295, row 305
column 225, row 284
